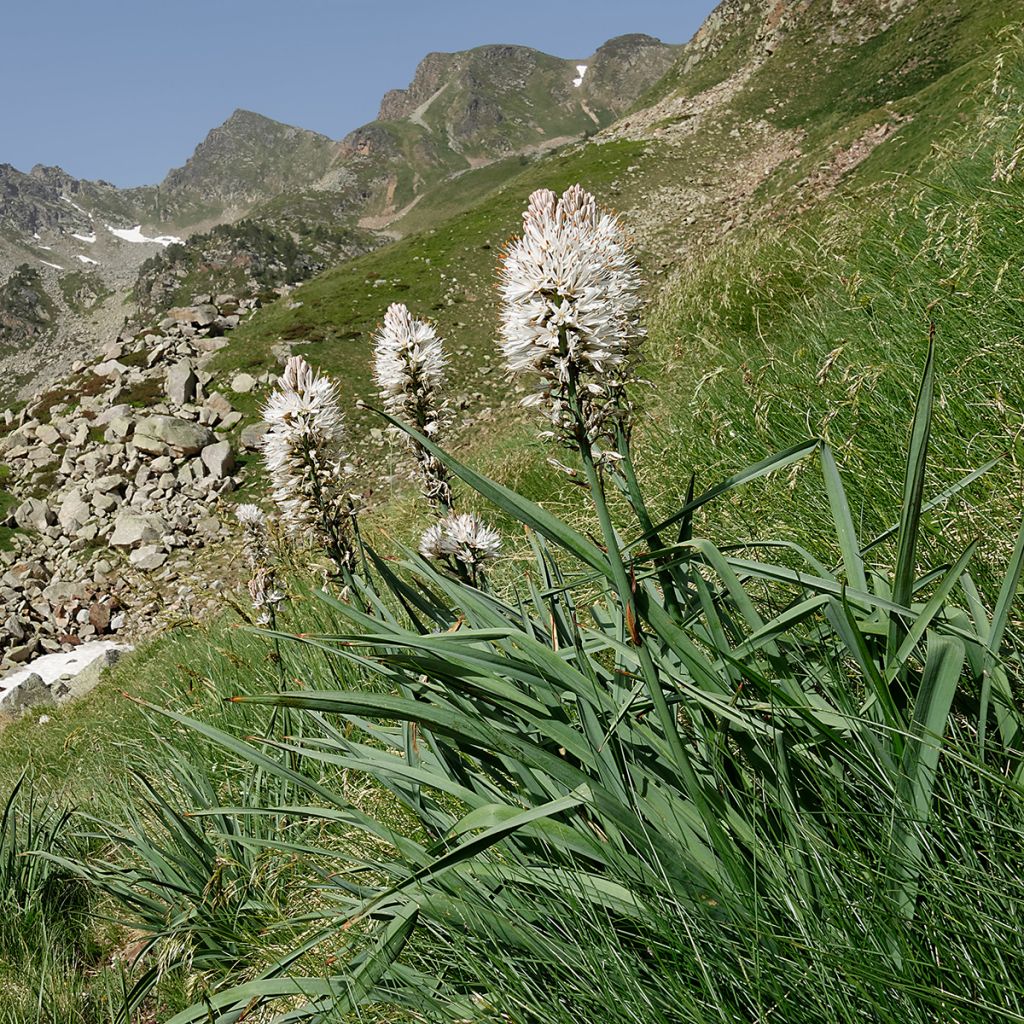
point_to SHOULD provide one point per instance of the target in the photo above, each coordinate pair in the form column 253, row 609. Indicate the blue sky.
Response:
column 124, row 90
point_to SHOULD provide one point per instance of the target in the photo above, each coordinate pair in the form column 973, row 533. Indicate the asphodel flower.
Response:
column 302, row 453
column 265, row 595
column 409, row 366
column 463, row 542
column 255, row 538
column 569, row 318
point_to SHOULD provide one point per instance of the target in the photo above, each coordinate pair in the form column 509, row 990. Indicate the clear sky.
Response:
column 124, row 89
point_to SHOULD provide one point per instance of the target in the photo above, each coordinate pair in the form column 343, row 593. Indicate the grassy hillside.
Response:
column 794, row 239
column 810, row 319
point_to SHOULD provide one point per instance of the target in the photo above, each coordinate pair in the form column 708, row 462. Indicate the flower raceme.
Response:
column 256, row 540
column 463, row 542
column 302, row 453
column 409, row 366
column 569, row 318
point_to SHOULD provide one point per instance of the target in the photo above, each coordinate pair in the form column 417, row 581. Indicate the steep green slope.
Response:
column 856, row 135
column 810, row 319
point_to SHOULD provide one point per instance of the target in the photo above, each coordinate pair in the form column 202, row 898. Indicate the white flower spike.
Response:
column 254, row 527
column 301, row 451
column 409, row 367
column 463, row 541
column 570, row 298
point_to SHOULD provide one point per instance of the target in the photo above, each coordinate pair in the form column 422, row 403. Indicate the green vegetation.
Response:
column 764, row 766
column 233, row 258
column 83, row 290
column 8, row 502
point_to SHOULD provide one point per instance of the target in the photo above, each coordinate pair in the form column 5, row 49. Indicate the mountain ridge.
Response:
column 331, row 198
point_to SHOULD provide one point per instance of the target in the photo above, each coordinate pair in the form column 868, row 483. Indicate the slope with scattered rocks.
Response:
column 117, row 478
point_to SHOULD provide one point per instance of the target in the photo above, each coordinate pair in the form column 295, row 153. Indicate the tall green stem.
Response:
column 627, row 601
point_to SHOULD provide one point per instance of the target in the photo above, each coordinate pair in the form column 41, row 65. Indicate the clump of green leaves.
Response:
column 739, row 774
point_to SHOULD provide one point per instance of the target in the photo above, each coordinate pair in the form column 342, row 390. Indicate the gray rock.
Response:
column 104, row 503
column 252, row 436
column 209, row 527
column 34, row 514
column 74, row 512
column 47, row 433
column 132, row 530
column 21, row 654
column 29, row 693
column 219, row 459
column 156, row 434
column 110, row 368
column 108, row 483
column 217, row 406
column 60, row 593
column 148, row 558
column 243, row 383
column 110, row 413
column 119, row 429
column 200, row 315
column 181, row 383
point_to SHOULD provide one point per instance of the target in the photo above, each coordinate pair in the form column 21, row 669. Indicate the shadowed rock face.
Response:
column 248, row 158
column 501, row 97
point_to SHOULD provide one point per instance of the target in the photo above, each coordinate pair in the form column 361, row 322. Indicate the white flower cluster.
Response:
column 463, row 541
column 265, row 596
column 255, row 537
column 301, row 451
column 570, row 298
column 409, row 367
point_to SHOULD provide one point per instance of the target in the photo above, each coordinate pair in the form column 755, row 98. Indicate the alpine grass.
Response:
column 654, row 779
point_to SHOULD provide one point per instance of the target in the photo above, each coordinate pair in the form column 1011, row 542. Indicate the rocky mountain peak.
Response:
column 438, row 70
column 247, row 158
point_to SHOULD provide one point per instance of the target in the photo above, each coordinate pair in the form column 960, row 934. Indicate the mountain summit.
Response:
column 246, row 159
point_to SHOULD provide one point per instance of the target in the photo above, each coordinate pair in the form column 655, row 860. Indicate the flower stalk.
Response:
column 302, row 453
column 409, row 365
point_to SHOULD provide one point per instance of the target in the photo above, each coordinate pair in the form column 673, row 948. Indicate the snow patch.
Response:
column 54, row 265
column 85, row 259
column 90, row 238
column 52, row 668
column 581, row 70
column 135, row 235
column 76, row 206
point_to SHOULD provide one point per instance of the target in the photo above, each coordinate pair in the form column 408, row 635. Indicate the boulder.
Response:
column 252, row 436
column 243, row 383
column 131, row 530
column 34, row 514
column 217, row 407
column 110, row 368
column 219, row 459
column 108, row 483
column 149, row 557
column 157, row 434
column 74, row 512
column 200, row 315
column 30, row 692
column 22, row 654
column 47, row 433
column 180, row 383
